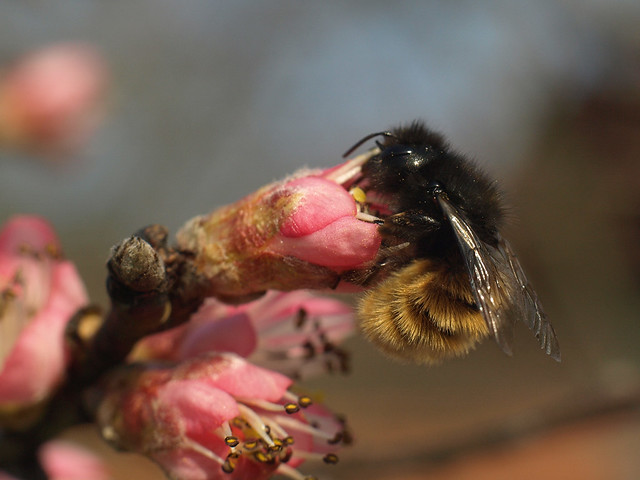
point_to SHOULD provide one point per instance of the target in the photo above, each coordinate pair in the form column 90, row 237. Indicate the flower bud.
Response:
column 302, row 232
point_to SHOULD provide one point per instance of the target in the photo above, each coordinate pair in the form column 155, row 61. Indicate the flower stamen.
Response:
column 205, row 452
column 232, row 441
column 292, row 473
column 305, row 401
column 263, row 404
column 366, row 217
column 256, row 423
column 294, row 424
column 349, row 170
column 278, row 430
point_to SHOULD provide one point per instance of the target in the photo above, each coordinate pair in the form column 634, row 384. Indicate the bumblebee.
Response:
column 444, row 278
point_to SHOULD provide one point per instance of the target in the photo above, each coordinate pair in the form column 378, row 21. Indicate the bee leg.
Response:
column 410, row 225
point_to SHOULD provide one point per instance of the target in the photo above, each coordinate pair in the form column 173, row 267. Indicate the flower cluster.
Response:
column 216, row 416
column 211, row 398
column 192, row 403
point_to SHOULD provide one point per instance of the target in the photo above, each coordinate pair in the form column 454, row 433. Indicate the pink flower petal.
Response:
column 321, row 203
column 276, row 309
column 51, row 291
column 237, row 377
column 209, row 330
column 232, row 334
column 66, row 461
column 345, row 243
column 197, row 406
column 185, row 464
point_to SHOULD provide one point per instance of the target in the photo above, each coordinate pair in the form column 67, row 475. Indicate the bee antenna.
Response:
column 368, row 137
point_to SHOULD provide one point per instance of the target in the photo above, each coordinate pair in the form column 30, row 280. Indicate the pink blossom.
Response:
column 49, row 99
column 63, row 460
column 296, row 333
column 214, row 417
column 302, row 232
column 39, row 292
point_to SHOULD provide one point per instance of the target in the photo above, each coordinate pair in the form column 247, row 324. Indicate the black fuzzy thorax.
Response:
column 413, row 159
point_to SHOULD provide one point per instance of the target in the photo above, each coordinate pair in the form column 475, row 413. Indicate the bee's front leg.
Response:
column 409, row 225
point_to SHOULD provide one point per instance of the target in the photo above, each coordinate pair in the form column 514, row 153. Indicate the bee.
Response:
column 444, row 278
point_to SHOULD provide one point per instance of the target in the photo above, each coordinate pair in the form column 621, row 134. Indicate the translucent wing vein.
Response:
column 500, row 288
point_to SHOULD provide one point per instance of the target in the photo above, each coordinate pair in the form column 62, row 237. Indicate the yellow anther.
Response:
column 231, row 441
column 330, row 458
column 358, row 195
column 250, row 444
column 262, row 457
column 227, row 467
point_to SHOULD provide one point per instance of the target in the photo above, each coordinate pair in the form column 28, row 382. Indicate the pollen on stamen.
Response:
column 286, row 454
column 228, row 466
column 256, row 423
column 330, row 458
column 291, row 408
column 239, row 422
column 231, row 441
column 305, row 401
column 358, row 195
column 277, row 445
column 251, row 444
column 262, row 457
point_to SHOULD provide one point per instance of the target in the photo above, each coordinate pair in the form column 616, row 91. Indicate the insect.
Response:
column 444, row 278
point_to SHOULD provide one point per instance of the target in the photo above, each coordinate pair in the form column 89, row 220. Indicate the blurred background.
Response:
column 206, row 101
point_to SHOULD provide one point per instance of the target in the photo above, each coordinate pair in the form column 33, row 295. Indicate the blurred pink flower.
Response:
column 39, row 292
column 50, row 99
column 214, row 417
column 295, row 333
column 301, row 232
column 67, row 461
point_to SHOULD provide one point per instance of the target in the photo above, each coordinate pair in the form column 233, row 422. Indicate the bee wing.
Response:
column 534, row 315
column 500, row 288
